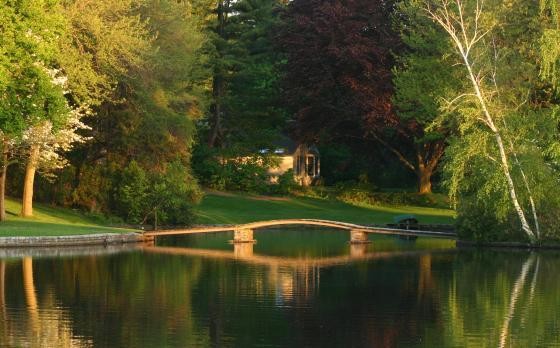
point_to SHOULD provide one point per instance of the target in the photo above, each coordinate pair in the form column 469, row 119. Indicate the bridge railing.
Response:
column 243, row 233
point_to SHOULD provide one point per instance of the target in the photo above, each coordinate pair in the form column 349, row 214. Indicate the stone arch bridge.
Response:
column 243, row 233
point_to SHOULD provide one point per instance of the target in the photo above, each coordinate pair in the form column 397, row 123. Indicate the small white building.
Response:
column 303, row 159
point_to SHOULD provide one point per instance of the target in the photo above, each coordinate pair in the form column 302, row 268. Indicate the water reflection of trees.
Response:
column 3, row 316
column 330, row 306
column 496, row 299
column 42, row 323
column 477, row 299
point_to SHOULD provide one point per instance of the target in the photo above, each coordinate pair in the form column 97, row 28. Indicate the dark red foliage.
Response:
column 338, row 78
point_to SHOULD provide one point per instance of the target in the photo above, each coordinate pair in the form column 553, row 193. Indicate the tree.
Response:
column 150, row 119
column 29, row 37
column 338, row 71
column 498, row 123
column 339, row 81
column 549, row 42
column 221, row 66
column 245, row 108
column 423, row 79
column 254, row 100
column 101, row 42
column 246, row 113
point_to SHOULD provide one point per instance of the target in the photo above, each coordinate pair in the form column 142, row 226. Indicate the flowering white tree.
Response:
column 45, row 146
column 91, row 42
column 30, row 33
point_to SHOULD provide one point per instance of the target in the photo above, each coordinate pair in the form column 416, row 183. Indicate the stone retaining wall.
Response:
column 86, row 239
column 67, row 251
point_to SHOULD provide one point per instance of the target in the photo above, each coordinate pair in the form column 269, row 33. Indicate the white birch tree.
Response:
column 464, row 25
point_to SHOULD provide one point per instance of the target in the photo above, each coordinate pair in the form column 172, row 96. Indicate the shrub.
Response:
column 225, row 170
column 141, row 195
column 286, row 184
column 479, row 224
column 363, row 194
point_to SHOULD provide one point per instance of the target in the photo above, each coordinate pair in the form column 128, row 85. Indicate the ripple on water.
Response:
column 399, row 295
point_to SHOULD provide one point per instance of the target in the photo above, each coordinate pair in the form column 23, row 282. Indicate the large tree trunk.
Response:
column 424, row 174
column 503, row 156
column 428, row 157
column 27, row 201
column 217, row 110
column 218, row 85
column 3, row 174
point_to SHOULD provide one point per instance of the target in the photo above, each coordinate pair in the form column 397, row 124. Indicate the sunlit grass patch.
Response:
column 237, row 208
column 50, row 221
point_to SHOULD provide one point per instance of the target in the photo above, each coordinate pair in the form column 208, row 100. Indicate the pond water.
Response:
column 294, row 288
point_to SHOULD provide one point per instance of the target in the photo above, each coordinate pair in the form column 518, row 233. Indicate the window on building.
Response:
column 310, row 166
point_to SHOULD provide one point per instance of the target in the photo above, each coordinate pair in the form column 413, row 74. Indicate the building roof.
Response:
column 288, row 147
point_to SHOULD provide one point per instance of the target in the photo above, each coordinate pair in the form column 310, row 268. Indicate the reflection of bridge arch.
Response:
column 358, row 233
column 241, row 253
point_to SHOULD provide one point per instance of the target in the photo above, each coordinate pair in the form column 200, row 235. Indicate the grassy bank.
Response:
column 227, row 208
column 217, row 208
column 49, row 221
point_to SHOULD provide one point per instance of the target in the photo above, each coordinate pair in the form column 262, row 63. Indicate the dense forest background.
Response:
column 129, row 108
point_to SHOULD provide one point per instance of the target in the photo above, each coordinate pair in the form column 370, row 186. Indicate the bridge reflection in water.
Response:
column 302, row 276
column 244, row 252
column 35, row 311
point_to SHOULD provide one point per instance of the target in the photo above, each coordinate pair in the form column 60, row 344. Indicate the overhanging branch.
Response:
column 396, row 152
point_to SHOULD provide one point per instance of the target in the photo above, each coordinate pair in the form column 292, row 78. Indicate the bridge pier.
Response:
column 243, row 250
column 358, row 237
column 243, row 235
column 358, row 250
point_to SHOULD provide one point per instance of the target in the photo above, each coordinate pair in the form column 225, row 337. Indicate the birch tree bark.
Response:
column 450, row 15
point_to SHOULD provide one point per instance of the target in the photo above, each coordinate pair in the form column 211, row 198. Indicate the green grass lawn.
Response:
column 49, row 221
column 218, row 208
column 234, row 208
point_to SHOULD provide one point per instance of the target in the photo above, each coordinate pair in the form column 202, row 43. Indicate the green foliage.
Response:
column 140, row 196
column 550, row 42
column 29, row 36
column 286, row 183
column 104, row 40
column 364, row 196
column 222, row 170
column 92, row 191
column 245, row 108
column 132, row 193
column 480, row 191
column 425, row 76
column 513, row 109
column 475, row 222
column 140, row 66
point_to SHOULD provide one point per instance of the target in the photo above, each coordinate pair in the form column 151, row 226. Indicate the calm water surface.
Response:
column 295, row 288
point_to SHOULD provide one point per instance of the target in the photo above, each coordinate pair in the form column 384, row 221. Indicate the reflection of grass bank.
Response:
column 231, row 209
column 49, row 221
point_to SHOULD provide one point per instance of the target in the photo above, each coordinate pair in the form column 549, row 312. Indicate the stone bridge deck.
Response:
column 358, row 233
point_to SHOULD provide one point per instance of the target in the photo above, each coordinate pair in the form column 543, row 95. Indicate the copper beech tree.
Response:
column 339, row 80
